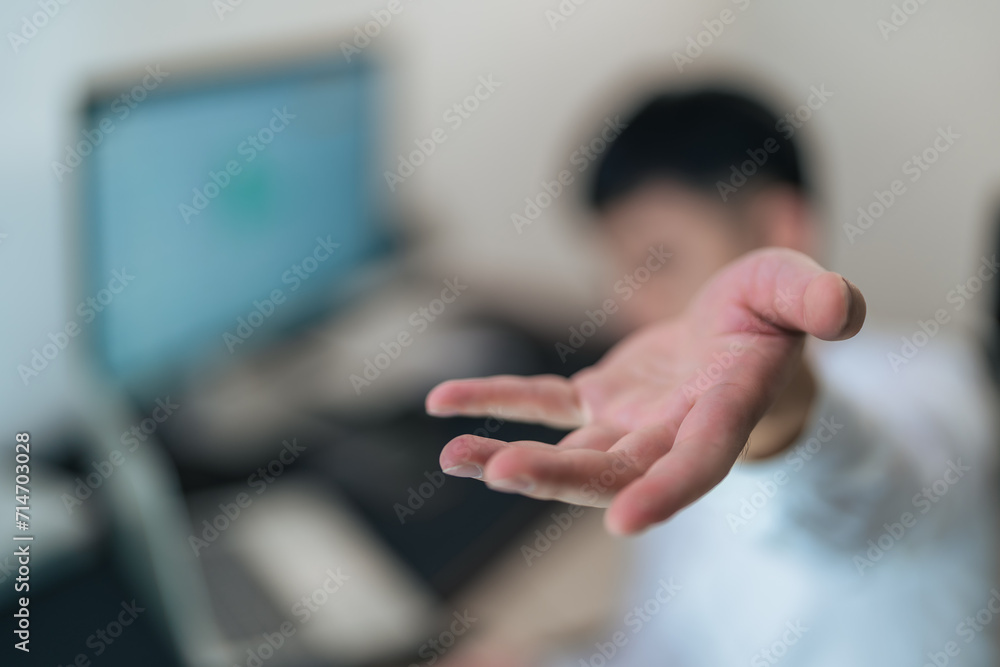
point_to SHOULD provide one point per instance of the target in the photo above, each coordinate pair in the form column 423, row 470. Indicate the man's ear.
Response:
column 783, row 218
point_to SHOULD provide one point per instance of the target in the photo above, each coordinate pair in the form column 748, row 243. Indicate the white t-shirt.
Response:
column 871, row 541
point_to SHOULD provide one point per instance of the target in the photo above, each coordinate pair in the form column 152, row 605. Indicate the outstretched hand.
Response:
column 662, row 418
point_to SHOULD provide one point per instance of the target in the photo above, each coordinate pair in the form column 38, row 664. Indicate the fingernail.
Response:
column 513, row 485
column 856, row 306
column 465, row 470
column 441, row 412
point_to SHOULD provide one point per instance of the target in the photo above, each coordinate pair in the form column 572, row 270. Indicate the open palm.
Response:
column 662, row 418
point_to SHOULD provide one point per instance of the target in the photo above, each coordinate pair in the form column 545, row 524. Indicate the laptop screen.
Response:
column 219, row 213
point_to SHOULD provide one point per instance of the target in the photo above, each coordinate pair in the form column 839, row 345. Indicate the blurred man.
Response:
column 843, row 537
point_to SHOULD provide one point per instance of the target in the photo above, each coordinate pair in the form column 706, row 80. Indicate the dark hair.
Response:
column 702, row 139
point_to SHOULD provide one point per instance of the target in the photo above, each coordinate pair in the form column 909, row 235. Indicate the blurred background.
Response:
column 323, row 222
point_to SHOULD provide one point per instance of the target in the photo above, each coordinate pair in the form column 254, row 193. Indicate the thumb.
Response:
column 785, row 289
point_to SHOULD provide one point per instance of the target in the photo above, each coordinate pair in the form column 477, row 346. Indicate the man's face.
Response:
column 701, row 235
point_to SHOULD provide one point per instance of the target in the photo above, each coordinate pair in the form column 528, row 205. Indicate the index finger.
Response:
column 543, row 399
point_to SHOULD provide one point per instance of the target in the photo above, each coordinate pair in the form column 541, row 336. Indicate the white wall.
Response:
column 939, row 69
